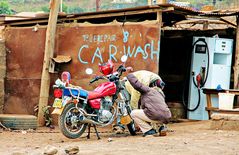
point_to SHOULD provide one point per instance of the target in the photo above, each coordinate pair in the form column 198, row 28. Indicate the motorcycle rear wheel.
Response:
column 68, row 124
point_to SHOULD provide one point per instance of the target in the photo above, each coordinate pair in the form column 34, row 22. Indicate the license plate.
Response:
column 57, row 103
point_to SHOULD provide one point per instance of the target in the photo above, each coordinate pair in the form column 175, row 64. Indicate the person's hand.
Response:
column 125, row 79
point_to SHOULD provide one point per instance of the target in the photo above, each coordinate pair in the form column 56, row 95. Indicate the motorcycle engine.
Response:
column 105, row 110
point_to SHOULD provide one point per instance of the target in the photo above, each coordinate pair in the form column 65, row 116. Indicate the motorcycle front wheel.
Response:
column 69, row 123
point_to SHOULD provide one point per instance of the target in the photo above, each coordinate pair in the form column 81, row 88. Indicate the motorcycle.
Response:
column 79, row 108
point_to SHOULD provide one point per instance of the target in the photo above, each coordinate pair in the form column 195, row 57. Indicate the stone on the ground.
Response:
column 50, row 150
column 225, row 121
column 110, row 139
column 72, row 150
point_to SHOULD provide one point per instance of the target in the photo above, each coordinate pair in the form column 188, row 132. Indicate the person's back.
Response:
column 145, row 77
column 153, row 106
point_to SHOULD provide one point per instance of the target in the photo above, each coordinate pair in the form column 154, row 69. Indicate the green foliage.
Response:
column 45, row 9
column 220, row 4
column 110, row 6
column 75, row 9
column 66, row 9
column 47, row 115
column 5, row 8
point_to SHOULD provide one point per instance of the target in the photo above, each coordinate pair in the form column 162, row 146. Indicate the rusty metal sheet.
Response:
column 89, row 45
column 21, row 95
column 86, row 44
column 24, row 65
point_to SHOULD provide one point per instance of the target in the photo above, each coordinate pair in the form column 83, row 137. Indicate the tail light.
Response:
column 57, row 93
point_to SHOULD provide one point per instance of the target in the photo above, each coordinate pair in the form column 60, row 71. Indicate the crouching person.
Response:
column 153, row 107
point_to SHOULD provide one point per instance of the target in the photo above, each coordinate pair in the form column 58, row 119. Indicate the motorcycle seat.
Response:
column 93, row 95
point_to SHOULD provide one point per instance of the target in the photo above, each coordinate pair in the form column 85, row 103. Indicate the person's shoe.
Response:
column 162, row 130
column 150, row 132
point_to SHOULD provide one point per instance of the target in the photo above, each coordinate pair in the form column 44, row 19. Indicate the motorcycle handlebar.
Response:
column 113, row 77
column 93, row 80
column 57, row 86
column 121, row 69
column 96, row 79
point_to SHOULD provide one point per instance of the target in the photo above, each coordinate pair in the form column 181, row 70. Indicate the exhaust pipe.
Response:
column 83, row 120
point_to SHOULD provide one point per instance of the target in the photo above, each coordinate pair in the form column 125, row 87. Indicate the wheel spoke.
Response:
column 72, row 122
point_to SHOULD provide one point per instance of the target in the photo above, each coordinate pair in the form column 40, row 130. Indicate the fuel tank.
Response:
column 104, row 89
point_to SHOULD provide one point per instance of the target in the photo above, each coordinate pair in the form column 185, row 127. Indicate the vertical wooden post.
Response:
column 236, row 65
column 151, row 2
column 61, row 6
column 3, row 69
column 205, row 25
column 97, row 5
column 49, row 51
column 159, row 20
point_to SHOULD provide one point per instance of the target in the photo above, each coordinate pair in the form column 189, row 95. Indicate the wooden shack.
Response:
column 156, row 38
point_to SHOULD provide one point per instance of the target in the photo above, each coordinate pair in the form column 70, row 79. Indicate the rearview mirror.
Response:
column 89, row 71
column 124, row 58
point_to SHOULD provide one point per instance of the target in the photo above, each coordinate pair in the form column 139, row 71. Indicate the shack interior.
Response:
column 177, row 47
column 175, row 59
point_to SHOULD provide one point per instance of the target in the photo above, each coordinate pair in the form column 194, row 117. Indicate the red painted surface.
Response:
column 104, row 89
column 95, row 103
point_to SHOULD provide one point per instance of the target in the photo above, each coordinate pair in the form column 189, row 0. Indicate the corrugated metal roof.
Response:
column 6, row 19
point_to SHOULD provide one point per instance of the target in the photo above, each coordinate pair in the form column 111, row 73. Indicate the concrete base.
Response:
column 225, row 121
column 177, row 110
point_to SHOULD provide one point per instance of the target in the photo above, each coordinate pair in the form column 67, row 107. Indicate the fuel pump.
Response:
column 199, row 79
column 211, row 58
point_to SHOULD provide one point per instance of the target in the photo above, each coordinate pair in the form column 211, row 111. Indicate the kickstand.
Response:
column 88, row 135
column 97, row 134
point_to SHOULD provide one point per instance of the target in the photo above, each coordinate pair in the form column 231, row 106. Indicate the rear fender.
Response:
column 57, row 111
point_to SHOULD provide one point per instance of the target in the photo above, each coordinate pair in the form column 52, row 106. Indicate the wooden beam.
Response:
column 49, row 51
column 160, row 24
column 236, row 65
column 228, row 22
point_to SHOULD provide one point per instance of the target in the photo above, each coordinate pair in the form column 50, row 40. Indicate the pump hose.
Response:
column 194, row 82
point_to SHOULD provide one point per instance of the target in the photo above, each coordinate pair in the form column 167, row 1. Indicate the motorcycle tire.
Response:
column 63, row 124
column 18, row 122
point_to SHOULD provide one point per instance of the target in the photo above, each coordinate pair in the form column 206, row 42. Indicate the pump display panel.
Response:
column 201, row 49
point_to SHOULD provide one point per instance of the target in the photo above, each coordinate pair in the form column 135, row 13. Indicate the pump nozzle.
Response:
column 199, row 80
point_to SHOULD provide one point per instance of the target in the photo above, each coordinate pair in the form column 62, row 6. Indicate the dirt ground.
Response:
column 187, row 138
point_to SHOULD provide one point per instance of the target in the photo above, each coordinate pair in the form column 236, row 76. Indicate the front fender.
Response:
column 125, row 120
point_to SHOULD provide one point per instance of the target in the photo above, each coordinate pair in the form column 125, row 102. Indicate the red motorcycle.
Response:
column 79, row 108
